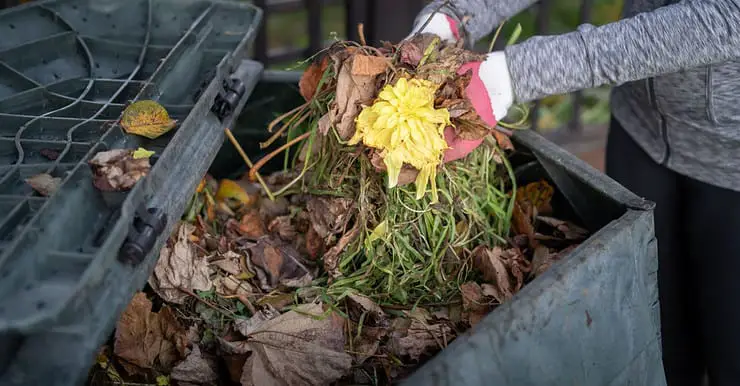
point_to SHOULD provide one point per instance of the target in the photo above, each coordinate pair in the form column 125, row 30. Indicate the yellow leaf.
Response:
column 163, row 380
column 229, row 189
column 147, row 118
column 379, row 232
column 142, row 153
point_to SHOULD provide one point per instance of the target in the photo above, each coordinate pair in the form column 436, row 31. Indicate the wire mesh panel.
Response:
column 67, row 70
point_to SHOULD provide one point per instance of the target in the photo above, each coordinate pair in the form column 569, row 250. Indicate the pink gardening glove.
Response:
column 489, row 90
column 491, row 95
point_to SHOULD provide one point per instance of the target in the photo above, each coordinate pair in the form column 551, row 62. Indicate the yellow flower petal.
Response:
column 403, row 123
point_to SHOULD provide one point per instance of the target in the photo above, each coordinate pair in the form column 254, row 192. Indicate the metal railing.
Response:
column 390, row 20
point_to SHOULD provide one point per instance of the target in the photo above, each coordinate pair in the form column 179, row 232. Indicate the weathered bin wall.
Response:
column 592, row 319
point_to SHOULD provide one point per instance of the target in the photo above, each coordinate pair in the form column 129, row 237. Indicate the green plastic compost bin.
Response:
column 70, row 261
column 592, row 319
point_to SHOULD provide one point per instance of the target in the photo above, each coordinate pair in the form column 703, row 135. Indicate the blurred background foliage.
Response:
column 563, row 16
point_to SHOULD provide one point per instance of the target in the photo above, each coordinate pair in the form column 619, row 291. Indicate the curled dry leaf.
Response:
column 251, row 225
column 368, row 65
column 314, row 243
column 567, row 229
column 412, row 50
column 312, row 77
column 180, row 268
column 229, row 262
column 149, row 340
column 503, row 140
column 415, row 337
column 351, row 92
column 278, row 263
column 197, row 368
column 297, row 349
column 544, row 258
column 232, row 286
column 537, row 195
column 117, row 170
column 521, row 223
column 474, row 303
column 366, row 305
column 248, row 326
column 367, row 344
column 44, row 184
column 504, row 269
column 282, row 227
column 331, row 257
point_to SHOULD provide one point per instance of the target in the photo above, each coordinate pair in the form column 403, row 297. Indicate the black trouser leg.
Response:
column 712, row 226
column 629, row 165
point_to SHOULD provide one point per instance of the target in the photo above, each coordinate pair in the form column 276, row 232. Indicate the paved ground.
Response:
column 589, row 146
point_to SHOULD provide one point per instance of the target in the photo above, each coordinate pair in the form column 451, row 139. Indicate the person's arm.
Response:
column 677, row 37
column 474, row 18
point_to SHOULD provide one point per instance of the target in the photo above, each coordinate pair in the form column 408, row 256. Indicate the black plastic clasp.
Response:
column 233, row 89
column 148, row 224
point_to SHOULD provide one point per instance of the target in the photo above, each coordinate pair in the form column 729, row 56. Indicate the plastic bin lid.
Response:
column 68, row 68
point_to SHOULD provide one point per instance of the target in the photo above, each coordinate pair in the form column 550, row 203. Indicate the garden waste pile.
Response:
column 364, row 255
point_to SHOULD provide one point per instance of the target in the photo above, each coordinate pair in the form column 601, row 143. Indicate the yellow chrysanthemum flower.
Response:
column 406, row 127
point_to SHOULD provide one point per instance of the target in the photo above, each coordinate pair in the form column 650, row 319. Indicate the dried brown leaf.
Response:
column 521, row 223
column 282, row 227
column 367, row 305
column 44, row 184
column 474, row 303
column 324, row 125
column 312, row 77
column 251, row 225
column 314, row 243
column 544, row 258
column 296, row 349
column 329, row 216
column 229, row 262
column 492, row 263
column 331, row 257
column 415, row 337
column 117, row 170
column 197, row 368
column 368, row 65
column 351, row 92
column 180, row 268
column 149, row 340
column 248, row 326
column 277, row 262
column 503, row 140
column 569, row 230
column 368, row 343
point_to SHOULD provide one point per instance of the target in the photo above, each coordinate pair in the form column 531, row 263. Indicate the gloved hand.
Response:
column 490, row 91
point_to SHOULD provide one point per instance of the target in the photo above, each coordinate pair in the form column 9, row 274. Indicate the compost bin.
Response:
column 72, row 255
column 591, row 319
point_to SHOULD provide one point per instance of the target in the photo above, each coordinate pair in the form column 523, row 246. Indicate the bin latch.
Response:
column 148, row 224
column 233, row 89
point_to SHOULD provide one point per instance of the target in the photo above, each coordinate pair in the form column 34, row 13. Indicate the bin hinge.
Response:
column 232, row 91
column 148, row 224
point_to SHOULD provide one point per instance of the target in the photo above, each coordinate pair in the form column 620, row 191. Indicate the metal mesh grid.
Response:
column 67, row 70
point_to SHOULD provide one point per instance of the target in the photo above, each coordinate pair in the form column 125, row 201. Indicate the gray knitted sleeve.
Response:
column 669, row 39
column 480, row 16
